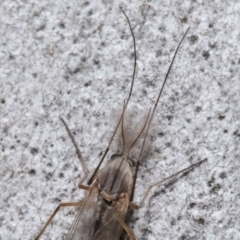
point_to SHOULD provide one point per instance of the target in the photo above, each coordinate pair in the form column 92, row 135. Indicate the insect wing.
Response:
column 97, row 219
column 81, row 227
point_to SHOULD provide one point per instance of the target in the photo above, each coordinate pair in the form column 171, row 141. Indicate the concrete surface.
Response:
column 74, row 59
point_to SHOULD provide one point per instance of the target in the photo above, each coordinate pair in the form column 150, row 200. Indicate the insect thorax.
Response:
column 116, row 178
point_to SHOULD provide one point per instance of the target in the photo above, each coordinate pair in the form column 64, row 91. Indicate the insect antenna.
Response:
column 122, row 130
column 125, row 105
column 140, row 133
column 152, row 114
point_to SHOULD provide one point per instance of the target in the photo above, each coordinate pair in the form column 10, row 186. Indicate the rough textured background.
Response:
column 74, row 59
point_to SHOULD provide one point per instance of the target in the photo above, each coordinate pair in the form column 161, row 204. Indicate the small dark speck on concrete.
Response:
column 210, row 25
column 89, row 102
column 192, row 205
column 34, row 151
column 31, row 172
column 236, row 133
column 221, row 117
column 66, row 166
column 193, row 39
column 183, row 237
column 11, row 57
column 210, row 182
column 184, row 19
column 206, row 54
column 2, row 101
column 61, row 25
column 223, row 175
column 200, row 221
column 215, row 188
column 87, row 84
column 185, row 174
column 83, row 59
column 76, row 70
column 173, row 222
column 34, row 75
column 49, row 164
column 198, row 109
column 160, row 134
column 76, row 169
column 157, row 150
column 159, row 53
column 212, row 44
column 48, row 176
column 41, row 28
column 61, row 175
column 96, row 62
column 57, row 200
column 168, row 144
column 5, row 130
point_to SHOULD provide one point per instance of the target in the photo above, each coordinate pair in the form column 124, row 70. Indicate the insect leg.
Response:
column 126, row 228
column 69, row 204
column 79, row 153
column 135, row 206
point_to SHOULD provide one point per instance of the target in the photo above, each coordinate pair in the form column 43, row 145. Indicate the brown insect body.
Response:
column 102, row 213
column 116, row 178
column 106, row 203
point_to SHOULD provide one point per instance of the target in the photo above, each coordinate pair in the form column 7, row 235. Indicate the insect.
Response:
column 110, row 190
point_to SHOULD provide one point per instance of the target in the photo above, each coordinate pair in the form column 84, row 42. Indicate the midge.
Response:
column 110, row 190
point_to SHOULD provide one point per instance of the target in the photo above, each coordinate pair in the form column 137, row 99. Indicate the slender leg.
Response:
column 69, row 204
column 135, row 206
column 79, row 153
column 84, row 187
column 126, row 228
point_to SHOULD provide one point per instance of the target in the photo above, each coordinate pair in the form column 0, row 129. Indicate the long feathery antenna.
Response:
column 129, row 96
column 154, row 109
